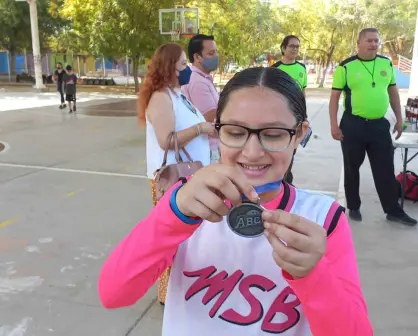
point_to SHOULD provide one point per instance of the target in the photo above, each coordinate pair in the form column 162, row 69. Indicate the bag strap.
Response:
column 170, row 136
column 412, row 173
column 187, row 154
column 176, row 148
column 167, row 146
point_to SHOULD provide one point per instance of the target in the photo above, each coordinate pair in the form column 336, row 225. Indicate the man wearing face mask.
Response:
column 201, row 91
column 58, row 79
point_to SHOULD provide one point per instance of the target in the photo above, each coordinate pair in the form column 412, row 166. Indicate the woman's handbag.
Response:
column 168, row 175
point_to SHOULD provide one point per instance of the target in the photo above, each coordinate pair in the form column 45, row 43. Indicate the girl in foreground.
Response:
column 225, row 284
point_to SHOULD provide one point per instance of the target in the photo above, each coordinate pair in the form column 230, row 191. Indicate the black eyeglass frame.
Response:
column 257, row 131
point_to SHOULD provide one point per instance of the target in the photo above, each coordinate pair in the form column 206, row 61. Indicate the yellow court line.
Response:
column 72, row 193
column 8, row 222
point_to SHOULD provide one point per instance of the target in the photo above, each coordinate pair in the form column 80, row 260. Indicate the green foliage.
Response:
column 243, row 30
column 115, row 27
column 15, row 33
column 396, row 21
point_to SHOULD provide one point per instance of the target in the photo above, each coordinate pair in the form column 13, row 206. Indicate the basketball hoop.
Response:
column 188, row 36
column 175, row 35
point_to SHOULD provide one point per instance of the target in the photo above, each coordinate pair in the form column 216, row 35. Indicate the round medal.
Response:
column 245, row 220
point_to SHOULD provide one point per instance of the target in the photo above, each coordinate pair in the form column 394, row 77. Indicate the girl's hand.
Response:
column 306, row 241
column 204, row 194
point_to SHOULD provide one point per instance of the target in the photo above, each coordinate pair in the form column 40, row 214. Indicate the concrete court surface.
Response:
column 71, row 186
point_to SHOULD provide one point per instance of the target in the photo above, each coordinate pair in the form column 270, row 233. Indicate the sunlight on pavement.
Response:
column 10, row 101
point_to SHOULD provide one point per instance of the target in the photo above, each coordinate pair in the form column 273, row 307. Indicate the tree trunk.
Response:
column 391, row 45
column 327, row 63
column 12, row 62
column 222, row 64
column 135, row 61
column 318, row 70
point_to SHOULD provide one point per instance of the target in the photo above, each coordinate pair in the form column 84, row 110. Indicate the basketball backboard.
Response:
column 184, row 21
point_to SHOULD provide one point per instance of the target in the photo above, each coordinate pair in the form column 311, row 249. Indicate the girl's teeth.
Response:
column 254, row 167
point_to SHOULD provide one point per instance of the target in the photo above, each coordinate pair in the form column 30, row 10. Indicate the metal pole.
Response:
column 127, row 70
column 8, row 66
column 47, row 64
column 26, row 61
column 413, row 83
column 78, row 63
column 35, row 44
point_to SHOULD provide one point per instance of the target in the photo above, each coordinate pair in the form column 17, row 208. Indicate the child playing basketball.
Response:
column 70, row 87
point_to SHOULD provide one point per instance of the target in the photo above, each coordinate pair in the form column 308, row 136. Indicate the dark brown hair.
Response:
column 271, row 78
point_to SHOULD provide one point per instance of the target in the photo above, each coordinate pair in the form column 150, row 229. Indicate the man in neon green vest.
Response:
column 369, row 85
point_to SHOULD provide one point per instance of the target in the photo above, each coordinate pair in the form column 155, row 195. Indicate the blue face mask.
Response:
column 211, row 64
column 184, row 76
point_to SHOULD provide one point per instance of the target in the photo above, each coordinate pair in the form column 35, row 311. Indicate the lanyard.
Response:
column 371, row 73
column 266, row 187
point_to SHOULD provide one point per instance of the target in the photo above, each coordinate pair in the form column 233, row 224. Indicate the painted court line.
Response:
column 8, row 222
column 92, row 172
column 66, row 170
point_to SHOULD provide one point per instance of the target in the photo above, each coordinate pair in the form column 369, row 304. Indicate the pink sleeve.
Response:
column 331, row 294
column 201, row 96
column 140, row 258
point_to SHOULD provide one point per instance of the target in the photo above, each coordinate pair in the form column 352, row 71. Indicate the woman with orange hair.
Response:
column 164, row 109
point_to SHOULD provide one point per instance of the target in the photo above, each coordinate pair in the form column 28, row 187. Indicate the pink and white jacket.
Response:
column 223, row 284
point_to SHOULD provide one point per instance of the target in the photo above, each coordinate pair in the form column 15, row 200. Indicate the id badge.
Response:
column 305, row 140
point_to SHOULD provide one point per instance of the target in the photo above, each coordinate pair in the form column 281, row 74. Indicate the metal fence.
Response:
column 83, row 65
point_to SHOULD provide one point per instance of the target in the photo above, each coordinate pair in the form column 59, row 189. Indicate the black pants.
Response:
column 61, row 94
column 363, row 136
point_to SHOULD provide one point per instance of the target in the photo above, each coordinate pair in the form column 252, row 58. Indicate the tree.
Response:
column 15, row 33
column 116, row 27
column 322, row 31
column 242, row 29
column 396, row 21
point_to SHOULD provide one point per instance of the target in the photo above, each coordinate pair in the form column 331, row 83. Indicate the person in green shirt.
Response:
column 290, row 49
column 369, row 86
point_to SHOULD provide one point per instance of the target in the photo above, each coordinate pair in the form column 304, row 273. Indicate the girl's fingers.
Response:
column 222, row 185
column 292, row 238
column 212, row 201
column 236, row 177
column 286, row 253
column 292, row 221
column 202, row 211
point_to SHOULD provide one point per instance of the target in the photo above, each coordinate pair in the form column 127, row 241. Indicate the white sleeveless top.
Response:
column 198, row 148
column 223, row 284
